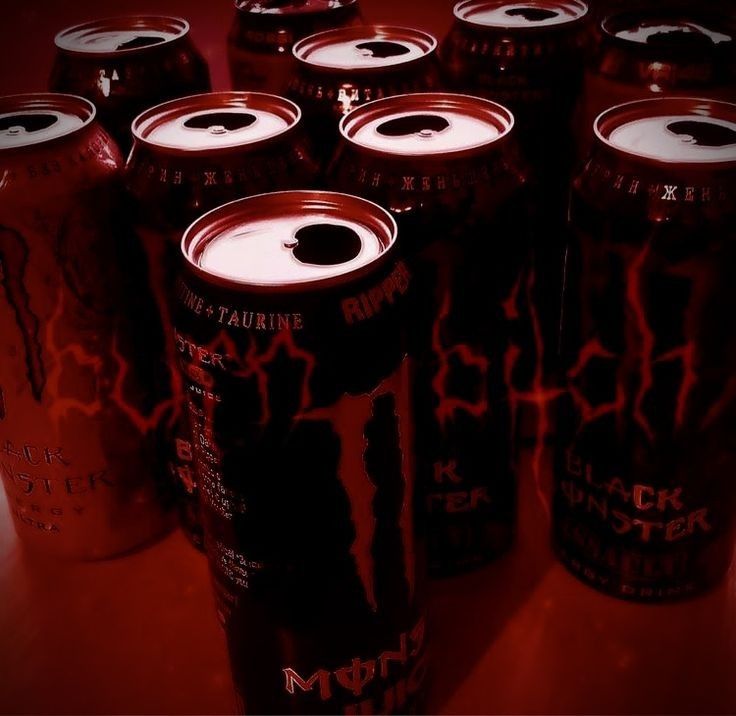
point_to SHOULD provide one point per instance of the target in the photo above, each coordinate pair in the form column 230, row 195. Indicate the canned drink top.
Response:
column 292, row 7
column 216, row 121
column 672, row 131
column 289, row 240
column 36, row 118
column 364, row 47
column 503, row 14
column 681, row 32
column 427, row 124
column 115, row 35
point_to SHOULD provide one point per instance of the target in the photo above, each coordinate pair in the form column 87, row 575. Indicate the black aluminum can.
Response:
column 448, row 169
column 263, row 34
column 644, row 503
column 191, row 155
column 290, row 332
column 342, row 69
column 124, row 65
column 530, row 57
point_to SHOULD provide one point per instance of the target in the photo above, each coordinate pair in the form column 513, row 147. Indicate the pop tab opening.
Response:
column 676, row 33
column 382, row 49
column 325, row 244
column 532, row 14
column 506, row 14
column 136, row 43
column 221, row 122
column 420, row 125
column 27, row 123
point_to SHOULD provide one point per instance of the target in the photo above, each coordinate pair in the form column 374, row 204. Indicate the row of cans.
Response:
column 301, row 356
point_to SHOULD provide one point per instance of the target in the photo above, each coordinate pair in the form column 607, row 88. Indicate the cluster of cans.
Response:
column 317, row 315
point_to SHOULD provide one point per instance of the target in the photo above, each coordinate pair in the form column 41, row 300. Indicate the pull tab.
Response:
column 136, row 43
column 382, row 49
column 324, row 244
column 533, row 14
column 421, row 125
column 703, row 134
column 16, row 124
column 221, row 122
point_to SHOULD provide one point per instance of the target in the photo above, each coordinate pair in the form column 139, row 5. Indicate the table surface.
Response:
column 139, row 635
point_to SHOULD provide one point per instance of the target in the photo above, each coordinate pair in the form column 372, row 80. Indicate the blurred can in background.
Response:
column 290, row 331
column 81, row 406
column 340, row 70
column 124, row 65
column 191, row 155
column 530, row 57
column 648, row 52
column 263, row 34
column 645, row 497
column 447, row 168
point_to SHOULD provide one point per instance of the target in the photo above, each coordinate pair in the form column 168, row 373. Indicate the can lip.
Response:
column 615, row 117
column 426, row 42
column 579, row 8
column 70, row 39
column 227, row 216
column 502, row 118
column 612, row 24
column 323, row 7
column 151, row 118
column 57, row 102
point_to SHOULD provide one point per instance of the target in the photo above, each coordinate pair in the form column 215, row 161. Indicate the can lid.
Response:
column 215, row 121
column 27, row 119
column 290, row 240
column 683, row 32
column 125, row 34
column 292, row 7
column 672, row 130
column 364, row 47
column 427, row 124
column 532, row 15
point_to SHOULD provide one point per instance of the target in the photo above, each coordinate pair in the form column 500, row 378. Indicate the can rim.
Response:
column 239, row 7
column 181, row 29
column 219, row 219
column 609, row 32
column 616, row 115
column 565, row 24
column 60, row 101
column 356, row 119
column 426, row 40
column 233, row 97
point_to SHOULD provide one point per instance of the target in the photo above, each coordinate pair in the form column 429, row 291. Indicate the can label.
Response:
column 643, row 504
column 80, row 410
column 301, row 411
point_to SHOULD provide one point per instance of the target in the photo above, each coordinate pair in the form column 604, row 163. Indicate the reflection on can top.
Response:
column 219, row 120
column 672, row 130
column 115, row 35
column 364, row 47
column 28, row 119
column 292, row 7
column 427, row 124
column 520, row 15
column 289, row 240
column 684, row 31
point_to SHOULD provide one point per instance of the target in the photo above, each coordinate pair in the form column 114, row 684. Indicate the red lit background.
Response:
column 139, row 634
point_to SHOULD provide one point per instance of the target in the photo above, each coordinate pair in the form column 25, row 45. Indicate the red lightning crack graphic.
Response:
column 448, row 405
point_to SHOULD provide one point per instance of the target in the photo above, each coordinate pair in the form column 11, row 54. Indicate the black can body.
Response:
column 300, row 408
column 644, row 498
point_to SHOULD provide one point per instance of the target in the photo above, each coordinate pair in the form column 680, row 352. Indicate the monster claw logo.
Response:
column 59, row 357
column 640, row 358
column 539, row 395
column 13, row 264
column 354, row 413
column 448, row 405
